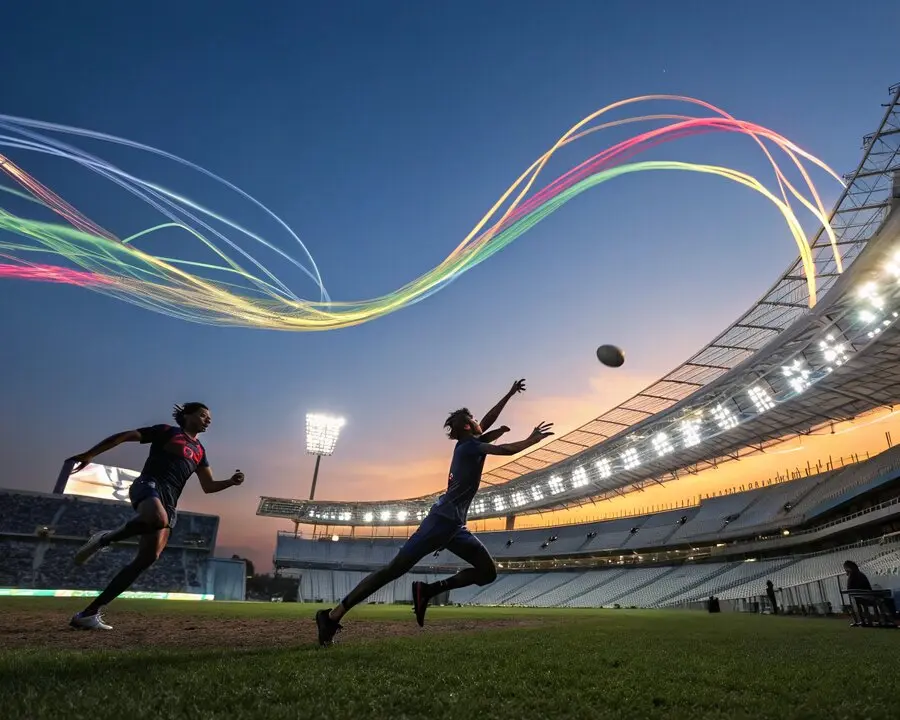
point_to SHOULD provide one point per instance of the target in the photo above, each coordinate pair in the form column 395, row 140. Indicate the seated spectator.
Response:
column 859, row 607
column 770, row 593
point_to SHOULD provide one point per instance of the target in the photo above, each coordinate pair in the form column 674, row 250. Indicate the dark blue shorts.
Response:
column 141, row 490
column 441, row 533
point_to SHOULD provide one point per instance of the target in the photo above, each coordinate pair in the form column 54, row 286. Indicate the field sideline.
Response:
column 247, row 660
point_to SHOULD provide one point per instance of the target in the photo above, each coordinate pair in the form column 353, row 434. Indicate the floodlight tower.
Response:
column 321, row 436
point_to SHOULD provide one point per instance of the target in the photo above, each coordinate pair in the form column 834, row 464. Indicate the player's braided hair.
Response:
column 456, row 422
column 179, row 411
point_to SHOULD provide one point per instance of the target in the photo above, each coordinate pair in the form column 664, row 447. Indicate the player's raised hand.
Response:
column 82, row 460
column 541, row 430
column 237, row 478
column 517, row 387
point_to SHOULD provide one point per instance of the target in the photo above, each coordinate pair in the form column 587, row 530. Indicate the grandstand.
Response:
column 781, row 370
column 40, row 532
column 662, row 559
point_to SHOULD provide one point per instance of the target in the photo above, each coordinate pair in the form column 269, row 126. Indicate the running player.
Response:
column 175, row 455
column 445, row 525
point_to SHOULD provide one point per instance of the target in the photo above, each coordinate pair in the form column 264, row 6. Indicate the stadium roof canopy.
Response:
column 779, row 369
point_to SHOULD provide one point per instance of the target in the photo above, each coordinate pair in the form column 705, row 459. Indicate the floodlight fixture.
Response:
column 631, row 459
column 662, row 444
column 690, row 432
column 797, row 375
column 604, row 468
column 724, row 417
column 761, row 399
column 579, row 477
column 835, row 353
column 556, row 485
column 322, row 433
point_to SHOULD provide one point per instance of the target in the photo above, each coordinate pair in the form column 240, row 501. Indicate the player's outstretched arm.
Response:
column 489, row 437
column 541, row 431
column 84, row 459
column 210, row 485
column 490, row 417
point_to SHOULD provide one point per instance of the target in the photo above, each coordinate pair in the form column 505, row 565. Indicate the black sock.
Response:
column 435, row 588
column 119, row 584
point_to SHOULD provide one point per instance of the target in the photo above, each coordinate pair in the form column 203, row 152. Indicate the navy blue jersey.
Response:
column 464, row 479
column 173, row 458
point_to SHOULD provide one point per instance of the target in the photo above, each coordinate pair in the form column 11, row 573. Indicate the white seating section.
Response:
column 740, row 573
column 575, row 585
column 623, row 583
column 767, row 504
column 330, row 569
column 755, row 510
column 805, row 569
column 710, row 518
column 657, row 530
column 848, row 478
column 331, row 586
column 632, row 587
column 501, row 589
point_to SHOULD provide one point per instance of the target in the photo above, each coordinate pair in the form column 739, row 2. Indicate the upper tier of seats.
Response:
column 743, row 514
column 48, row 564
column 26, row 513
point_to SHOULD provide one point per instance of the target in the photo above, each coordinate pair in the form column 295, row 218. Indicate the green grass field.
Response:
column 230, row 660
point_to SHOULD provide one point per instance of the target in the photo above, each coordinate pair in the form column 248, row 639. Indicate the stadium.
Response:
column 611, row 598
column 779, row 371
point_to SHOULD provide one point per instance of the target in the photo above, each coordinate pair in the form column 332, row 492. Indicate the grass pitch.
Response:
column 245, row 660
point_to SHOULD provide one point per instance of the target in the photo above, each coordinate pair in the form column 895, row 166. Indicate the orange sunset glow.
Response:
column 838, row 444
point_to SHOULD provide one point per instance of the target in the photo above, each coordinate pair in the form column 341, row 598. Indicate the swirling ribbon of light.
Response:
column 252, row 295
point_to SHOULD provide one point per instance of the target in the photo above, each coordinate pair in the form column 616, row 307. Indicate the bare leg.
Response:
column 149, row 550
column 151, row 518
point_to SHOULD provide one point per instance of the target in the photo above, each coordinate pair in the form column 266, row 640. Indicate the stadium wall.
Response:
column 331, row 586
column 225, row 578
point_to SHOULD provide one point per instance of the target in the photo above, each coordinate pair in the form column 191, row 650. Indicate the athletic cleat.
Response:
column 91, row 547
column 420, row 602
column 327, row 628
column 80, row 621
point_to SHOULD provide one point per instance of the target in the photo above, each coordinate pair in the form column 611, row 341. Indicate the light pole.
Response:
column 321, row 436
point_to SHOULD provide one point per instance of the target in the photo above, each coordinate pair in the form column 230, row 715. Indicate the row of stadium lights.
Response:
column 724, row 416
column 797, row 376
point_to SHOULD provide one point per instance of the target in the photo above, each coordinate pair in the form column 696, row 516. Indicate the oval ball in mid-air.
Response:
column 610, row 355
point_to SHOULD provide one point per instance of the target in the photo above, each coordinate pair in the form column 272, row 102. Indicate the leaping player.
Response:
column 175, row 455
column 445, row 525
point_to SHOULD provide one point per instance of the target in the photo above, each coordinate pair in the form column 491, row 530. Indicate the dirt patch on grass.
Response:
column 133, row 630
